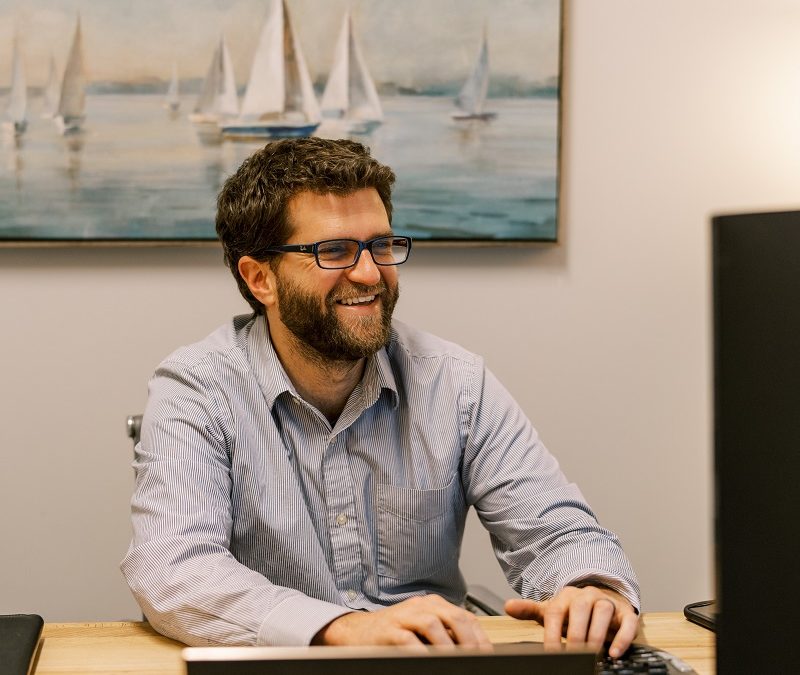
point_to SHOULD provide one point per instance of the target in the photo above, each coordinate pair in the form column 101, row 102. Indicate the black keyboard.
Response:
column 643, row 659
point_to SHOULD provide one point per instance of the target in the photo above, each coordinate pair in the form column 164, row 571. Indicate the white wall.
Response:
column 674, row 110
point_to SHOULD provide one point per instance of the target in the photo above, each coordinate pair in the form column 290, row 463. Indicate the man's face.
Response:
column 343, row 315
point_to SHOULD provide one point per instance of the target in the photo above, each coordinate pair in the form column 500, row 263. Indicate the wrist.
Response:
column 330, row 633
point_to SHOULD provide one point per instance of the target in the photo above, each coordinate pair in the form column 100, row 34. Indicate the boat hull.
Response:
column 16, row 127
column 258, row 131
column 466, row 117
column 68, row 125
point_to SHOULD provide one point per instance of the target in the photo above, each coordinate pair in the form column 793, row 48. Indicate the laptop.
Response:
column 508, row 659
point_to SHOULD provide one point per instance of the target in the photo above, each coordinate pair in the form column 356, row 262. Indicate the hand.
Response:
column 426, row 619
column 590, row 614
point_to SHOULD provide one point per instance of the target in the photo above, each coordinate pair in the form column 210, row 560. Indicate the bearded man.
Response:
column 305, row 472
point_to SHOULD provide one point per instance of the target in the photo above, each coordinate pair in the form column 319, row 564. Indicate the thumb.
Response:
column 524, row 609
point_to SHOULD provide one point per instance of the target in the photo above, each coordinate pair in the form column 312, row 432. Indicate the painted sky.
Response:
column 408, row 42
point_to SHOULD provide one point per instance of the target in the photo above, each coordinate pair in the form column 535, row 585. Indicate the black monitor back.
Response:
column 757, row 440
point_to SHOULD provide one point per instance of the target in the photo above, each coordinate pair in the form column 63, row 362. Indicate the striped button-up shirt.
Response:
column 255, row 522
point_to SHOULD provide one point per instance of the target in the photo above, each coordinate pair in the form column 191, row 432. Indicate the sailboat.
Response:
column 472, row 97
column 172, row 100
column 52, row 90
column 72, row 102
column 16, row 117
column 279, row 101
column 350, row 93
column 218, row 100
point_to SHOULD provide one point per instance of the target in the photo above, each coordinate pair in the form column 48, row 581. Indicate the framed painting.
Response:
column 122, row 119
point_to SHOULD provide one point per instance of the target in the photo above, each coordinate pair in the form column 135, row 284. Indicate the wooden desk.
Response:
column 132, row 648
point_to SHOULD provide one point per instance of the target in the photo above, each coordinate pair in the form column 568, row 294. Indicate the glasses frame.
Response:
column 313, row 249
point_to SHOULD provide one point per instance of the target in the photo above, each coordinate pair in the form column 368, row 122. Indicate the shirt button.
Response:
column 341, row 519
column 351, row 594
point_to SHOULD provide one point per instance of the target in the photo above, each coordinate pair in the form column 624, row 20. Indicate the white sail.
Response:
column 72, row 103
column 279, row 99
column 218, row 98
column 52, row 90
column 172, row 99
column 472, row 97
column 17, row 108
column 350, row 91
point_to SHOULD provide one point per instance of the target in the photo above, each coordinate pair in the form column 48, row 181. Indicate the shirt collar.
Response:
column 269, row 372
column 274, row 381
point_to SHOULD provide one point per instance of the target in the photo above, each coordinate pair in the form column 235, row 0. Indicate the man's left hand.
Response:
column 589, row 614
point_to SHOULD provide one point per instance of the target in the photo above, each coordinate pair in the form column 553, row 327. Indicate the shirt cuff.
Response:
column 296, row 620
column 615, row 584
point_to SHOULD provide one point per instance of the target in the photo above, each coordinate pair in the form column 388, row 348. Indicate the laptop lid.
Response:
column 510, row 659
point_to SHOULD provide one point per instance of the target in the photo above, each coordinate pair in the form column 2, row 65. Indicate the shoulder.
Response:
column 416, row 344
column 226, row 343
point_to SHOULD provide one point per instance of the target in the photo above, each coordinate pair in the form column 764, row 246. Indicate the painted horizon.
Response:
column 470, row 127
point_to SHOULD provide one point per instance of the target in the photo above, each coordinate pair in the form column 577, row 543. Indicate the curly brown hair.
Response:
column 252, row 207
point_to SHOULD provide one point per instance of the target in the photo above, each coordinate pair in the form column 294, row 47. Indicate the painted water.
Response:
column 140, row 172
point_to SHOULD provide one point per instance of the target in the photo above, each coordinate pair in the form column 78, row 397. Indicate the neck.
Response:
column 324, row 383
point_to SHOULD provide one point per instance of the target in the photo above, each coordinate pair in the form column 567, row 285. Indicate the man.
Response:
column 316, row 458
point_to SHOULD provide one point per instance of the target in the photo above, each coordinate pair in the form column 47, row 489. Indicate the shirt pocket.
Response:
column 418, row 536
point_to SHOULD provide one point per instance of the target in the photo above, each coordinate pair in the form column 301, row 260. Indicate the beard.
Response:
column 322, row 334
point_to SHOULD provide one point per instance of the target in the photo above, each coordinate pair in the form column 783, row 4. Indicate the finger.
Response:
column 602, row 613
column 525, row 609
column 430, row 627
column 580, row 611
column 554, row 616
column 466, row 629
column 625, row 635
column 405, row 638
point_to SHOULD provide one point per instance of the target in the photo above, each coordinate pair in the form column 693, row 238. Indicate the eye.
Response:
column 331, row 250
column 382, row 246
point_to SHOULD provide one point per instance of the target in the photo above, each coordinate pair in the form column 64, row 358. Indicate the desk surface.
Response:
column 115, row 648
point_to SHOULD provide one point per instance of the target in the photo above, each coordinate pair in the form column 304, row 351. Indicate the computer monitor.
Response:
column 756, row 281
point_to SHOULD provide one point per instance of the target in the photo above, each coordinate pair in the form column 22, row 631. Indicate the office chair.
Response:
column 480, row 600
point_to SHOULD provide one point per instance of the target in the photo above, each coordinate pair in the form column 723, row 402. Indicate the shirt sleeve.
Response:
column 179, row 565
column 543, row 532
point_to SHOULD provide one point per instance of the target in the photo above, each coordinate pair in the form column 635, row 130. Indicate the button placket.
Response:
column 339, row 498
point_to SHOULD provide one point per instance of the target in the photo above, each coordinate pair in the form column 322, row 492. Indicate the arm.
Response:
column 179, row 565
column 544, row 534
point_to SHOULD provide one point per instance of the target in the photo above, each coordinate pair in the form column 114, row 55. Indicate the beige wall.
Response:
column 674, row 110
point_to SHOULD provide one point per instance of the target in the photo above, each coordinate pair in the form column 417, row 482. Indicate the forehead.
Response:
column 358, row 215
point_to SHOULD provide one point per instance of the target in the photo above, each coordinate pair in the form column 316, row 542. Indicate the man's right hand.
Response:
column 426, row 619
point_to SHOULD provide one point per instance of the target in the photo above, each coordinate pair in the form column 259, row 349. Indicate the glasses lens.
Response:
column 337, row 253
column 390, row 250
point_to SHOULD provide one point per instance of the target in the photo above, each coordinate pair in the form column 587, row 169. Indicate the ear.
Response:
column 259, row 278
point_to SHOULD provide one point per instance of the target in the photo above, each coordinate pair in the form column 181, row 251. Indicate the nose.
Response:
column 365, row 271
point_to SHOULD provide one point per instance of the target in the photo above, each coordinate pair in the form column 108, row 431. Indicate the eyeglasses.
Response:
column 339, row 254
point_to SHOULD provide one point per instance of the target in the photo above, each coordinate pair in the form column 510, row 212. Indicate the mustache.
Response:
column 356, row 291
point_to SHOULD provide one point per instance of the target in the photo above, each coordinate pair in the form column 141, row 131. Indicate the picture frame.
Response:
column 120, row 141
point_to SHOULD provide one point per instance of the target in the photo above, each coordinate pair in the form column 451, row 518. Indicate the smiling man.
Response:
column 305, row 472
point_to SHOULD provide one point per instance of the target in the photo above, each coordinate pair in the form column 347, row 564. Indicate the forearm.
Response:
column 201, row 595
column 563, row 546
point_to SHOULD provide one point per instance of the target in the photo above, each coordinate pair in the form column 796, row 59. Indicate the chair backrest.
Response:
column 133, row 427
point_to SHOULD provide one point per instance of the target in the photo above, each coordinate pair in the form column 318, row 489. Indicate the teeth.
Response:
column 357, row 301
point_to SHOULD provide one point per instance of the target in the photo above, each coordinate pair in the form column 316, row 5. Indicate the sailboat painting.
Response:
column 16, row 117
column 350, row 93
column 218, row 100
column 121, row 120
column 69, row 116
column 472, row 97
column 172, row 101
column 279, row 101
